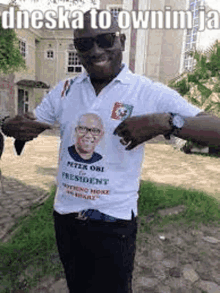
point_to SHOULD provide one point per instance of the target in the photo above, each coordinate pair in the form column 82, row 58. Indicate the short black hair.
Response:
column 87, row 16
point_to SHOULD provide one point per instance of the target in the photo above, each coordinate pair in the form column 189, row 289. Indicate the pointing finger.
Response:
column 119, row 128
column 132, row 145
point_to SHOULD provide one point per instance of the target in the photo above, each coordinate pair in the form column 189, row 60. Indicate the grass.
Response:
column 34, row 242
column 200, row 207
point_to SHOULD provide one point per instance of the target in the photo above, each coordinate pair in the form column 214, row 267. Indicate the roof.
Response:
column 33, row 83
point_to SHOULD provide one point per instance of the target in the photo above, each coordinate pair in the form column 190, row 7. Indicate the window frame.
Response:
column 22, row 40
column 114, row 6
column 191, row 37
column 72, row 50
column 26, row 100
column 46, row 54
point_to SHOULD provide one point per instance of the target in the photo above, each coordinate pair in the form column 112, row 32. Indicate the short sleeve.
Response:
column 48, row 110
column 170, row 100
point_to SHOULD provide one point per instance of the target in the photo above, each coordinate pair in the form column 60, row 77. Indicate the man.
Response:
column 95, row 208
column 88, row 132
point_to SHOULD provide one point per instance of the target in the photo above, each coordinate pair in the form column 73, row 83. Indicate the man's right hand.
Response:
column 24, row 127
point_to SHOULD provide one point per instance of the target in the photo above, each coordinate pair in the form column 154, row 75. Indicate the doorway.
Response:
column 23, row 101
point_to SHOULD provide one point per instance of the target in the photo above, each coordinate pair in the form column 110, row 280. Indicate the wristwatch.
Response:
column 176, row 122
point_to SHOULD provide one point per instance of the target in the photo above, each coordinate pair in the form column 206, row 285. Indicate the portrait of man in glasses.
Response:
column 88, row 133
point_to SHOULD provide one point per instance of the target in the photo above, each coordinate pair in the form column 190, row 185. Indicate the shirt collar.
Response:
column 124, row 76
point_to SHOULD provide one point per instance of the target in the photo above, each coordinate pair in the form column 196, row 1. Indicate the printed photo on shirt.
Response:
column 88, row 133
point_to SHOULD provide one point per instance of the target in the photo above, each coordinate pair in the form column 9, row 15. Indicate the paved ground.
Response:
column 27, row 178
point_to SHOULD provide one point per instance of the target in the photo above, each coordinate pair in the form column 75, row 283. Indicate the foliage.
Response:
column 207, row 67
column 214, row 64
column 201, row 87
column 205, row 92
column 11, row 59
column 216, row 88
column 181, row 86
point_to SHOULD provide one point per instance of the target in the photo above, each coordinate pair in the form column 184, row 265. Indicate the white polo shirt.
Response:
column 109, row 180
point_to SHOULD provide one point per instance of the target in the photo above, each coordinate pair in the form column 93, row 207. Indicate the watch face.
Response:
column 178, row 121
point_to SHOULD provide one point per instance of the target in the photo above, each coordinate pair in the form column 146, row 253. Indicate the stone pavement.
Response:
column 15, row 202
column 27, row 179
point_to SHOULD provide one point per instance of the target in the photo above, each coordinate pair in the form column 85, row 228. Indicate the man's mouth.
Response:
column 100, row 62
column 88, row 141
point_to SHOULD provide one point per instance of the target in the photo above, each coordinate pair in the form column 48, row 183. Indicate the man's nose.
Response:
column 96, row 50
column 88, row 134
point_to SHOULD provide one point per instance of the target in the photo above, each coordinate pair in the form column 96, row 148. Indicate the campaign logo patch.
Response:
column 66, row 87
column 121, row 111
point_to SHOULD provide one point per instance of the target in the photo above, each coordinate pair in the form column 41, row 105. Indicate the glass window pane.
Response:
column 188, row 38
column 195, row 30
column 196, row 21
column 191, row 7
column 73, row 62
column 25, row 108
column 187, row 46
column 196, row 13
column 188, row 32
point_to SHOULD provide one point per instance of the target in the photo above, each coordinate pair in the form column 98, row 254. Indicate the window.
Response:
column 197, row 13
column 195, row 30
column 191, row 35
column 22, row 47
column 115, row 11
column 50, row 54
column 188, row 39
column 74, row 64
column 188, row 32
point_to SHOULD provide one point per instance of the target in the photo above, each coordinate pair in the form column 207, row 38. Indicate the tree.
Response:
column 11, row 59
column 201, row 87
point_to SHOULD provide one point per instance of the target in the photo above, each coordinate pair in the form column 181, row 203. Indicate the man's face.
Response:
column 101, row 63
column 87, row 140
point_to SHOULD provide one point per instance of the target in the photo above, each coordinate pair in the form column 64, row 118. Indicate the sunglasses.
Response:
column 103, row 41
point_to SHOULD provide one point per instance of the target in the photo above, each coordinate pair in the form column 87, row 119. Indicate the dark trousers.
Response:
column 97, row 256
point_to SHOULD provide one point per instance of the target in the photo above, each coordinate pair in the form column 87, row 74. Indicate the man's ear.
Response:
column 122, row 40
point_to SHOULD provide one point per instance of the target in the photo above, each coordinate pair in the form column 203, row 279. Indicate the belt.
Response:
column 94, row 215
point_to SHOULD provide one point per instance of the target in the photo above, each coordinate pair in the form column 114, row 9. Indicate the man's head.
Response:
column 103, row 58
column 88, row 134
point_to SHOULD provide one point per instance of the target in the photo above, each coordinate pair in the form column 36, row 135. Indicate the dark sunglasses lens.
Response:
column 83, row 45
column 106, row 41
column 86, row 44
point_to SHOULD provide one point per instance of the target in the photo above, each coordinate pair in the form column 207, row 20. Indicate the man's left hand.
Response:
column 138, row 129
column 24, row 127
